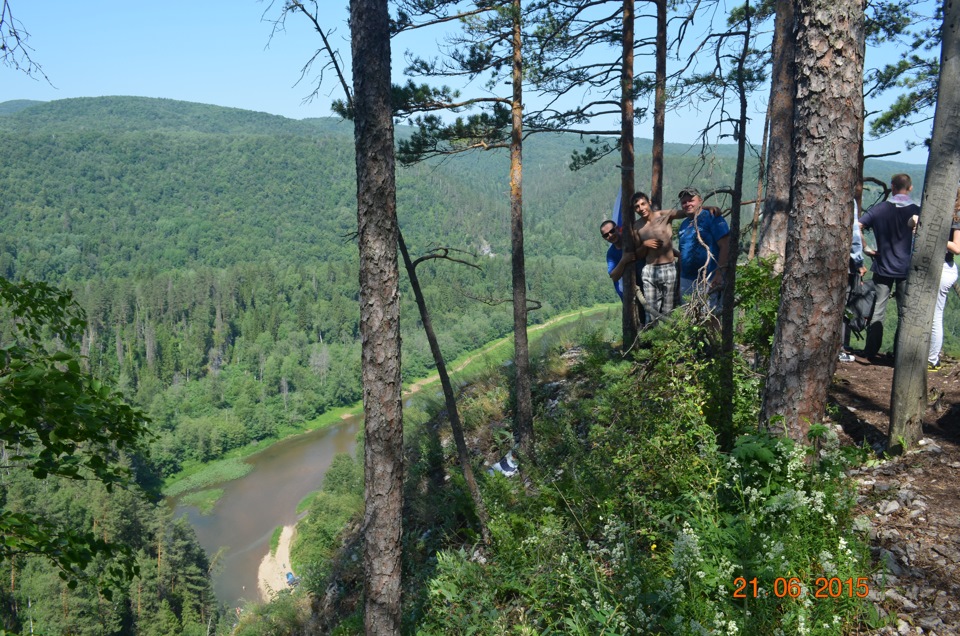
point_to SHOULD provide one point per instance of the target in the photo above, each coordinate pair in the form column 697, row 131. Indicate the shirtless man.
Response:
column 653, row 232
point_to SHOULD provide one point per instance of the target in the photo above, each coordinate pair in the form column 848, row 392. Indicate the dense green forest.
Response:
column 87, row 546
column 211, row 249
column 172, row 593
column 212, row 252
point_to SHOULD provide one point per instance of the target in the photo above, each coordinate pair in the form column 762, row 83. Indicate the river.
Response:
column 253, row 506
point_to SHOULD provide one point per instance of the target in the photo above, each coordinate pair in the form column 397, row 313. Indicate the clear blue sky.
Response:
column 221, row 52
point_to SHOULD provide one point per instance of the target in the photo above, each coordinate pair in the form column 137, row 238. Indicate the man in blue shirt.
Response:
column 611, row 234
column 704, row 239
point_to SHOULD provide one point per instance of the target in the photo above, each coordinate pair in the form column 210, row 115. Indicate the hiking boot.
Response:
column 934, row 366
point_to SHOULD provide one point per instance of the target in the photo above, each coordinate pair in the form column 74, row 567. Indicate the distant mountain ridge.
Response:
column 145, row 114
column 123, row 114
column 16, row 105
column 116, row 184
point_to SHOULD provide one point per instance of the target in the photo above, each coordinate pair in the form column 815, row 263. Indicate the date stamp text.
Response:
column 793, row 587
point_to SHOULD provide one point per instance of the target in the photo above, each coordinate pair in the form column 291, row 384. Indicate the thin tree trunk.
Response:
column 776, row 206
column 627, row 184
column 379, row 315
column 733, row 252
column 761, row 176
column 523, row 416
column 659, row 107
column 828, row 107
column 451, row 401
column 909, row 392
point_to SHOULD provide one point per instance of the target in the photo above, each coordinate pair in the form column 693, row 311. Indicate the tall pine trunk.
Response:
column 379, row 315
column 908, row 399
column 733, row 253
column 523, row 415
column 828, row 106
column 631, row 317
column 776, row 205
column 659, row 107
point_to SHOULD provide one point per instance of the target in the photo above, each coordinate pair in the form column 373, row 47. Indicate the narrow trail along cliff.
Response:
column 913, row 501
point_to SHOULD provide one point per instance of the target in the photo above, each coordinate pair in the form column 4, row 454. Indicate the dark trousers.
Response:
column 885, row 289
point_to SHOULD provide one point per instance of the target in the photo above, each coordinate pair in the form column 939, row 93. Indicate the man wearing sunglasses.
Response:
column 611, row 234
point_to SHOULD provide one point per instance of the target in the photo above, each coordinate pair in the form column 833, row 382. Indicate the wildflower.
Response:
column 686, row 550
column 817, row 499
column 844, row 550
column 725, row 570
column 826, row 560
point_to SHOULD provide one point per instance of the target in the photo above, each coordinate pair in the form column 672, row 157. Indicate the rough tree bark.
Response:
column 776, row 205
column 908, row 399
column 379, row 315
column 828, row 107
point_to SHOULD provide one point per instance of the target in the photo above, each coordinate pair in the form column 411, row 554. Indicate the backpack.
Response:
column 859, row 308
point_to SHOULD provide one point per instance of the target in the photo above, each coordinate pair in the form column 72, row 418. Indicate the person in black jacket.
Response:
column 890, row 222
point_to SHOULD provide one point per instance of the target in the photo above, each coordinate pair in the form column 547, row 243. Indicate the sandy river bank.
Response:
column 272, row 575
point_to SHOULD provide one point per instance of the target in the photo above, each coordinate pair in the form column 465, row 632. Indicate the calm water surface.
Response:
column 253, row 506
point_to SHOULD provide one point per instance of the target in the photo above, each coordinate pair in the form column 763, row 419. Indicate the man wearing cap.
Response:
column 701, row 258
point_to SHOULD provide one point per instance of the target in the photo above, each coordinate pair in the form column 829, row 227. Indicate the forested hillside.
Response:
column 212, row 250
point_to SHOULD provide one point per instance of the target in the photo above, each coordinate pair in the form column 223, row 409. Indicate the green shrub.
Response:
column 285, row 614
column 758, row 297
column 319, row 533
column 634, row 522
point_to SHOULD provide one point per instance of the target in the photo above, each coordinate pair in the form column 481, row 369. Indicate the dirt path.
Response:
column 911, row 501
column 272, row 575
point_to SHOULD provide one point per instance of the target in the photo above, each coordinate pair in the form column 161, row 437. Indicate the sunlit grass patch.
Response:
column 215, row 473
column 203, row 500
column 306, row 502
column 275, row 540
